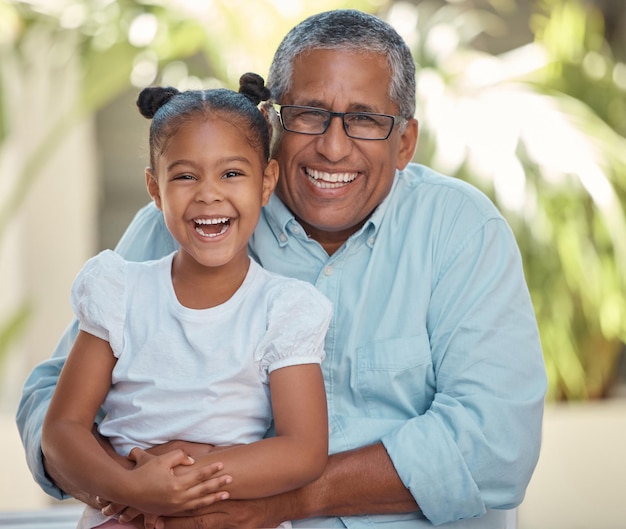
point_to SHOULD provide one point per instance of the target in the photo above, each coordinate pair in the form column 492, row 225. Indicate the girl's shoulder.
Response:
column 101, row 268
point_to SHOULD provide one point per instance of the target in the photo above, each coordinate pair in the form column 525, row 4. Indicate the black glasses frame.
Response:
column 342, row 115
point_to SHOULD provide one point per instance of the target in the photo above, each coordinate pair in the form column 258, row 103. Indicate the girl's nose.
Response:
column 209, row 190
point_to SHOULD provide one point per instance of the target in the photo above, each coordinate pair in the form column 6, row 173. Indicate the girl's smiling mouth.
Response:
column 212, row 227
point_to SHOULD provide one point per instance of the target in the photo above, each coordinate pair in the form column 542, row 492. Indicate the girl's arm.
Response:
column 70, row 446
column 297, row 454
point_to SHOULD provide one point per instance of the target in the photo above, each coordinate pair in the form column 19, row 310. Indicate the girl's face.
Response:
column 210, row 184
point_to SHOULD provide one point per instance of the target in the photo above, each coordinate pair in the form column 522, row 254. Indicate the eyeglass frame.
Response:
column 342, row 115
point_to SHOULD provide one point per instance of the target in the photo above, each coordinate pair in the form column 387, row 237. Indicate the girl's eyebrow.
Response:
column 219, row 161
column 227, row 159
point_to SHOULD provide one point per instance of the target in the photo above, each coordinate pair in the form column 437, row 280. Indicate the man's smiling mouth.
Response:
column 212, row 227
column 325, row 180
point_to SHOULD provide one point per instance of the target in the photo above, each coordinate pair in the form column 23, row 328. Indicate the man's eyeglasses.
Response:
column 358, row 125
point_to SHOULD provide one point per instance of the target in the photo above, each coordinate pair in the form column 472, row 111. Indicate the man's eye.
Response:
column 363, row 118
column 310, row 115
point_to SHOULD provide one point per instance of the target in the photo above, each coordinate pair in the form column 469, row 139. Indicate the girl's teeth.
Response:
column 224, row 222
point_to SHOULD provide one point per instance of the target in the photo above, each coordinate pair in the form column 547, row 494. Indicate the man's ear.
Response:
column 408, row 143
column 270, row 178
column 153, row 187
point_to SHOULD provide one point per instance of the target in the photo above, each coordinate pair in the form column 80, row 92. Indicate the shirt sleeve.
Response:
column 99, row 296
column 298, row 318
column 36, row 395
column 146, row 238
column 477, row 445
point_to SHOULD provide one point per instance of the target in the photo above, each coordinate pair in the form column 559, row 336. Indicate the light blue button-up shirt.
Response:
column 433, row 348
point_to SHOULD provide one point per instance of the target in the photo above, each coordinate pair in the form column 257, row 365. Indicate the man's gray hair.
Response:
column 352, row 30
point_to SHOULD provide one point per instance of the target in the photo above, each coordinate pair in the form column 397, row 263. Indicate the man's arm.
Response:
column 355, row 482
column 36, row 395
column 346, row 487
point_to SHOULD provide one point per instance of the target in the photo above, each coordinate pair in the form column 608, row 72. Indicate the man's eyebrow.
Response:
column 353, row 107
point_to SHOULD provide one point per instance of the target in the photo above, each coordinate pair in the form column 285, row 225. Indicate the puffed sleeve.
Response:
column 99, row 298
column 298, row 318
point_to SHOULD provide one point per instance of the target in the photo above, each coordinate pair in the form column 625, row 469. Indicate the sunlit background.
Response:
column 525, row 99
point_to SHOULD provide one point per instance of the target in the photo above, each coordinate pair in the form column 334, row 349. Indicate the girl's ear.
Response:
column 270, row 178
column 153, row 187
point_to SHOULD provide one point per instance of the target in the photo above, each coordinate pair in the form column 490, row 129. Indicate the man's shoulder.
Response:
column 416, row 175
column 147, row 237
column 420, row 184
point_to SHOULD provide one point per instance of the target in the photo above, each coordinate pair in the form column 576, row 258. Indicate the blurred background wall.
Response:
column 525, row 99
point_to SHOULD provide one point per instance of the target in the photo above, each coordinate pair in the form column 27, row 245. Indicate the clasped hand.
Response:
column 164, row 482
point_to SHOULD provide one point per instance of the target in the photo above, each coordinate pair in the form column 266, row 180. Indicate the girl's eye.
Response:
column 183, row 177
column 231, row 174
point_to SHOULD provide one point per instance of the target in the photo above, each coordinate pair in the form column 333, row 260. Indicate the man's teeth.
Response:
column 224, row 222
column 329, row 180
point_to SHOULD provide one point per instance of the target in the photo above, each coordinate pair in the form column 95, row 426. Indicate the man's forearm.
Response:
column 357, row 482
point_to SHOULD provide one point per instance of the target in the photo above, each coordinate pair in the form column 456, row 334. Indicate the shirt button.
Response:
column 282, row 237
column 328, row 271
column 371, row 241
column 296, row 230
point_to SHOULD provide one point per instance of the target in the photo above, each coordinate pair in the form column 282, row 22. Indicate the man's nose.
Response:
column 335, row 144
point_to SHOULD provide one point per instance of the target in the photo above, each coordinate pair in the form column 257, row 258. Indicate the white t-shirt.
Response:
column 196, row 375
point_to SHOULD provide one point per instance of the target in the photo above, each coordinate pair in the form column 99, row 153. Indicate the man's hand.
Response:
column 233, row 514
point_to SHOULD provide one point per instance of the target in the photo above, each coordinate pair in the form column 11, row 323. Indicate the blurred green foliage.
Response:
column 540, row 129
column 584, row 319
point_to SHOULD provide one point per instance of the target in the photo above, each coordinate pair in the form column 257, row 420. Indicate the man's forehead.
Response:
column 340, row 80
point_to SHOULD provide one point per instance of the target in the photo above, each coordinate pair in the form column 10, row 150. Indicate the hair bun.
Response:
column 253, row 87
column 152, row 98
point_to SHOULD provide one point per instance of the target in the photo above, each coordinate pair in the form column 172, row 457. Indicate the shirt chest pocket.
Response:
column 395, row 377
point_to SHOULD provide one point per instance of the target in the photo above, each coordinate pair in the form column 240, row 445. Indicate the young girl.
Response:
column 203, row 345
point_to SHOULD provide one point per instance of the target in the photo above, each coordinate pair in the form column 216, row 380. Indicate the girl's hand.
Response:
column 154, row 488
